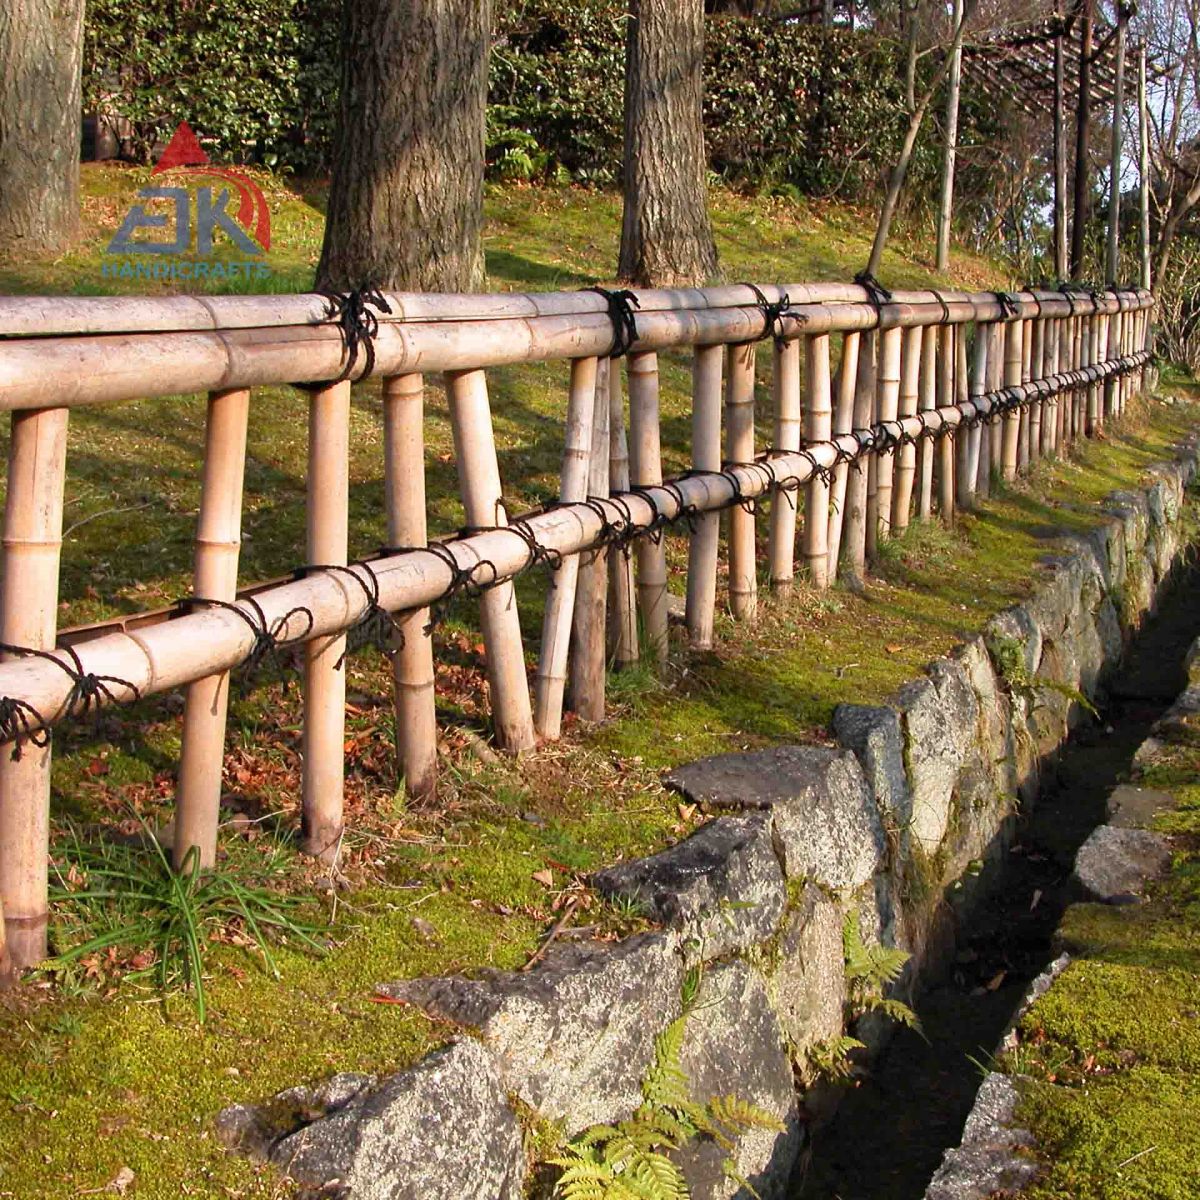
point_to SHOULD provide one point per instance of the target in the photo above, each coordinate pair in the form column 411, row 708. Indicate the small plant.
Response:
column 1022, row 684
column 124, row 898
column 869, row 969
column 831, row 1059
column 631, row 1159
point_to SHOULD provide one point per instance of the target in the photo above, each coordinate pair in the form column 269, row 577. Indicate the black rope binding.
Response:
column 267, row 636
column 624, row 321
column 877, row 294
column 376, row 622
column 773, row 312
column 1008, row 304
column 358, row 325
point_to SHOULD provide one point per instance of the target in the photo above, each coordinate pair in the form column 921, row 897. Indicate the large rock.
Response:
column 873, row 732
column 808, row 986
column 988, row 1163
column 722, row 887
column 440, row 1131
column 1114, row 864
column 735, row 1047
column 827, row 827
column 574, row 1036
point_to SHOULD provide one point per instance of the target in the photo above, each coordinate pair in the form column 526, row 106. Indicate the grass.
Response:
column 134, row 1080
column 1114, row 1048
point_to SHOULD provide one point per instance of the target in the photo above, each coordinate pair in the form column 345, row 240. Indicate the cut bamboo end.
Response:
column 703, row 548
column 414, row 702
column 739, row 448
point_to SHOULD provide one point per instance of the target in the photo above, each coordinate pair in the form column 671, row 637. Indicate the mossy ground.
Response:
column 1114, row 1047
column 99, row 1074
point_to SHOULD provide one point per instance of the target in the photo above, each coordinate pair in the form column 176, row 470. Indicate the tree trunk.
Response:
column 406, row 199
column 41, row 46
column 1083, row 127
column 666, row 236
column 946, row 204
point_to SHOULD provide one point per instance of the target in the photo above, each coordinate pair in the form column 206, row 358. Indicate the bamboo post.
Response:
column 622, row 609
column 1014, row 358
column 818, row 427
column 890, row 343
column 412, row 648
column 706, row 456
column 33, row 511
column 843, row 422
column 1111, row 345
column 479, row 482
column 1143, row 174
column 995, row 433
column 1060, row 161
column 964, row 477
column 945, row 443
column 976, row 388
column 7, row 971
column 551, row 677
column 1026, row 416
column 1079, row 413
column 926, row 402
column 206, row 703
column 1049, row 368
column 782, row 538
column 586, row 664
column 854, row 528
column 1037, row 370
column 910, row 376
column 1092, row 344
column 645, row 464
column 739, row 448
column 324, row 726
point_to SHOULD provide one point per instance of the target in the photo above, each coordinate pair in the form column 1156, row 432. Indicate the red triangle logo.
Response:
column 183, row 150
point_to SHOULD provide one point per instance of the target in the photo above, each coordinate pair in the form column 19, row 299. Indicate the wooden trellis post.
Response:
column 843, row 422
column 586, row 666
column 786, row 387
column 910, row 382
column 739, row 435
column 218, row 543
column 33, row 508
column 324, row 725
column 818, row 423
column 854, row 529
column 888, row 391
column 706, row 456
column 479, row 481
column 412, row 646
column 926, row 402
column 622, row 639
column 1013, row 366
column 558, row 618
column 645, row 467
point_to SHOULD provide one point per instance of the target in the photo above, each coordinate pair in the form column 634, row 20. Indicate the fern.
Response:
column 869, row 970
column 831, row 1059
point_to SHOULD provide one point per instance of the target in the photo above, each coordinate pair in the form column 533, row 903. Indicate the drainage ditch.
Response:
column 887, row 1137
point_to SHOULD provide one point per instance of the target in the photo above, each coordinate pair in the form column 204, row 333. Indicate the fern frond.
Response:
column 665, row 1085
column 659, row 1178
column 899, row 1012
column 739, row 1115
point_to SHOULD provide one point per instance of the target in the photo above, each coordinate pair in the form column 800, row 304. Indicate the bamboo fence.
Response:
column 931, row 396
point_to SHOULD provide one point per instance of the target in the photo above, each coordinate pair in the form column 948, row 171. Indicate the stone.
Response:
column 808, row 986
column 827, row 828
column 1131, row 807
column 1114, row 863
column 873, row 732
column 995, row 714
column 722, row 887
column 574, row 1036
column 442, row 1130
column 735, row 1047
column 1014, row 629
column 987, row 1162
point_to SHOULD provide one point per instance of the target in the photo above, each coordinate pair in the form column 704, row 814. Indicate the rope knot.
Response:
column 621, row 304
column 358, row 325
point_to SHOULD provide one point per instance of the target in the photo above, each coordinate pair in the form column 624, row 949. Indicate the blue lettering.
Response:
column 210, row 215
column 137, row 217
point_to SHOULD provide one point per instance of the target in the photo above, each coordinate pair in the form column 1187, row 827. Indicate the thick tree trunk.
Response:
column 666, row 236
column 406, row 201
column 41, row 45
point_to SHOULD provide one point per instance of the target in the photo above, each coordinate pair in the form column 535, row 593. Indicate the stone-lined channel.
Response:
column 888, row 1135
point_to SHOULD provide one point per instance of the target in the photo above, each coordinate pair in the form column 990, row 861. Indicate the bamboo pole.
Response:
column 910, row 376
column 786, row 388
column 33, row 511
column 706, row 456
column 479, row 483
column 1026, row 417
column 412, row 646
column 818, row 427
column 976, row 388
column 843, row 422
column 995, row 432
column 1060, row 162
column 551, row 677
column 888, row 390
column 1037, row 356
column 854, row 527
column 1083, row 138
column 964, row 477
column 927, row 402
column 1050, row 406
column 586, row 663
column 645, row 464
column 324, row 724
column 1092, row 355
column 946, row 201
column 622, row 620
column 1112, row 260
column 1143, row 173
column 1014, row 357
column 218, row 543
column 945, row 444
column 1112, row 349
column 739, row 449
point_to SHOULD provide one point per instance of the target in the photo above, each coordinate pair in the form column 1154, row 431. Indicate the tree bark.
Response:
column 41, row 47
column 1083, row 134
column 666, row 235
column 406, row 199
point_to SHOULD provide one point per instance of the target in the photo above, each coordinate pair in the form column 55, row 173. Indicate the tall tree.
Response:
column 406, row 199
column 41, row 47
column 666, row 235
